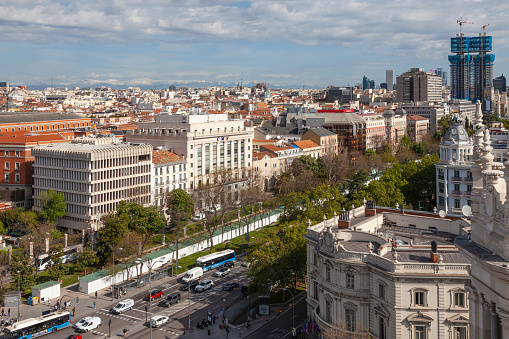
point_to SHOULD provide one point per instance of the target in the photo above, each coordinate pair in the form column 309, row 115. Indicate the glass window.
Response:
column 460, row 333
column 420, row 332
column 456, row 203
column 382, row 329
column 350, row 319
column 350, row 280
column 381, row 291
column 327, row 273
column 459, row 299
column 419, row 298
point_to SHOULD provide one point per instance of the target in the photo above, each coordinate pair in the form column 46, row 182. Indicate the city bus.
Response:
column 210, row 261
column 35, row 327
column 69, row 255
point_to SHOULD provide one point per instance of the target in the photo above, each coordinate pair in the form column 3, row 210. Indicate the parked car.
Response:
column 228, row 264
column 204, row 285
column 244, row 289
column 74, row 336
column 198, row 216
column 159, row 320
column 123, row 306
column 90, row 324
column 170, row 300
column 230, row 286
column 190, row 285
column 154, row 295
column 245, row 264
column 222, row 272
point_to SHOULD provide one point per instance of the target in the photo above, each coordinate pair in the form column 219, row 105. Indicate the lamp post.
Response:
column 113, row 275
column 19, row 289
column 189, row 305
column 293, row 308
column 150, row 264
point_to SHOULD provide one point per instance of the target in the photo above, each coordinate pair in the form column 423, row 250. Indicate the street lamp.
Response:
column 293, row 308
column 19, row 289
column 150, row 264
column 189, row 299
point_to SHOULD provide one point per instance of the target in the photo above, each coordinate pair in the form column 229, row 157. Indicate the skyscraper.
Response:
column 389, row 79
column 418, row 85
column 472, row 68
column 365, row 82
column 499, row 84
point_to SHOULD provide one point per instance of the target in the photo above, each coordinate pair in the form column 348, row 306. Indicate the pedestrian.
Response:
column 9, row 312
column 96, row 294
column 94, row 304
column 73, row 311
column 3, row 312
column 49, row 301
column 77, row 300
column 125, row 331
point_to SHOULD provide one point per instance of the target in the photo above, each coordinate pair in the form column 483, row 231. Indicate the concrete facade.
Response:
column 94, row 175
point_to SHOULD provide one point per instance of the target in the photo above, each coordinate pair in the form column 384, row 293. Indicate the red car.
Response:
column 74, row 336
column 154, row 295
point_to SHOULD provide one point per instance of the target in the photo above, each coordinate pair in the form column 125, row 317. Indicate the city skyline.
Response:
column 282, row 43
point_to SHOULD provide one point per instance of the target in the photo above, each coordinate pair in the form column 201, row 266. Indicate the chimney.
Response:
column 370, row 209
column 344, row 219
column 434, row 252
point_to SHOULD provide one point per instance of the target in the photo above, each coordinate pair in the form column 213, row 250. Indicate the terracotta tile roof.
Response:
column 414, row 118
column 305, row 144
column 261, row 155
column 273, row 148
column 268, row 141
column 164, row 157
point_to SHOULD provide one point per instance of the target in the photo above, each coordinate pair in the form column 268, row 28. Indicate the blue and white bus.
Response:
column 69, row 255
column 212, row 260
column 35, row 327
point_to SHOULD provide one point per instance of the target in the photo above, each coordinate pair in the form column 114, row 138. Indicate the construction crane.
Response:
column 484, row 28
column 460, row 22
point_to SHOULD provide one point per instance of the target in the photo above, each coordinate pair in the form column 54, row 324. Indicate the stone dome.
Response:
column 456, row 131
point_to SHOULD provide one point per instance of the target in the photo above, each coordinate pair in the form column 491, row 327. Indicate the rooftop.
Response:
column 165, row 157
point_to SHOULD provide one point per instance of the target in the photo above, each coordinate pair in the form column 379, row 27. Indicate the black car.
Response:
column 188, row 285
column 170, row 300
column 230, row 286
column 228, row 264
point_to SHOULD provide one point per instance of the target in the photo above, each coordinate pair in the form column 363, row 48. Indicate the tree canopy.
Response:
column 52, row 205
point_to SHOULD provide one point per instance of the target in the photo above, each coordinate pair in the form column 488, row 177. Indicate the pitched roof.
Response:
column 261, row 155
column 165, row 157
column 321, row 132
column 305, row 144
column 415, row 118
column 24, row 117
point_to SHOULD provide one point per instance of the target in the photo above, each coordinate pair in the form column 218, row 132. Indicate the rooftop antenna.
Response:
column 460, row 22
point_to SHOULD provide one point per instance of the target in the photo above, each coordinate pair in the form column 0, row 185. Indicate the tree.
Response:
column 52, row 205
column 421, row 187
column 336, row 167
column 127, row 249
column 37, row 236
column 357, row 182
column 144, row 220
column 279, row 259
column 113, row 230
column 56, row 267
column 180, row 208
column 21, row 269
column 86, row 258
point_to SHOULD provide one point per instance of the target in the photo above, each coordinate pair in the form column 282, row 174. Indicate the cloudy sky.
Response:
column 315, row 43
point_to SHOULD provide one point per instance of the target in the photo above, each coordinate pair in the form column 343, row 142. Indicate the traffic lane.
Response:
column 281, row 326
column 211, row 300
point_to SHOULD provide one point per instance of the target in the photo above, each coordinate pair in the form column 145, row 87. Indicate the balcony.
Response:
column 456, row 192
column 468, row 193
column 440, row 177
column 467, row 179
column 456, row 179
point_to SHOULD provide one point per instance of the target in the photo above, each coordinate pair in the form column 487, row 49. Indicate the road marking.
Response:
column 277, row 328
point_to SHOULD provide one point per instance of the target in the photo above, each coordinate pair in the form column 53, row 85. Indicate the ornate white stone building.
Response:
column 392, row 276
column 94, row 175
column 454, row 175
column 487, row 247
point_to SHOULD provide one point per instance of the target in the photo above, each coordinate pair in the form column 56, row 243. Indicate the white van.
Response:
column 193, row 274
column 123, row 306
column 159, row 320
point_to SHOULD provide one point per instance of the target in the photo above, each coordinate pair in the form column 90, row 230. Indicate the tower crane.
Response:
column 484, row 28
column 461, row 22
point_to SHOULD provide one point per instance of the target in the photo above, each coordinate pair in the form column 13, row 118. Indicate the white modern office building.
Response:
column 207, row 141
column 94, row 175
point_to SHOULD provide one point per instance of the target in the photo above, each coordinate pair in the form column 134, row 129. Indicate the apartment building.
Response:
column 417, row 127
column 430, row 111
column 418, row 85
column 207, row 141
column 395, row 125
column 327, row 140
column 94, row 175
column 387, row 273
column 375, row 130
column 169, row 172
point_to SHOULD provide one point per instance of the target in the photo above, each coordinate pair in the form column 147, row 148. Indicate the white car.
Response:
column 222, row 272
column 89, row 324
column 198, row 216
column 204, row 285
column 158, row 320
column 81, row 322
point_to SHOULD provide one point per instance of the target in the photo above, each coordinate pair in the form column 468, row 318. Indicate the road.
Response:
column 196, row 305
column 281, row 326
